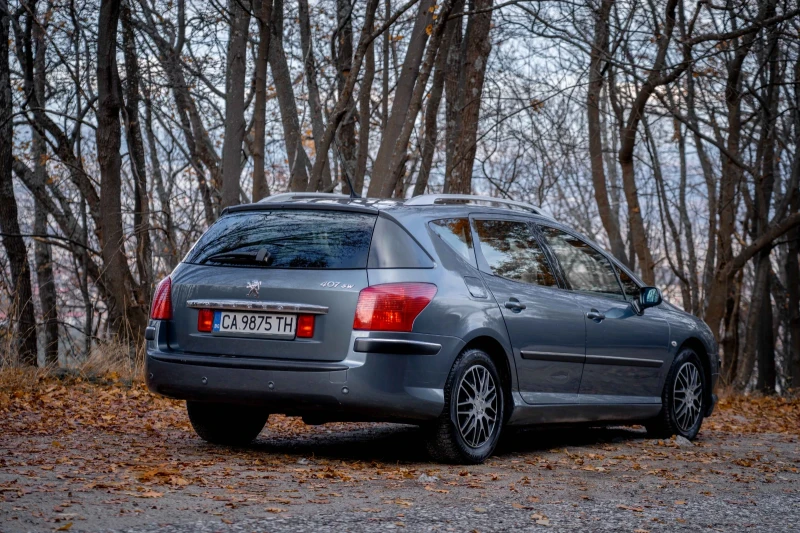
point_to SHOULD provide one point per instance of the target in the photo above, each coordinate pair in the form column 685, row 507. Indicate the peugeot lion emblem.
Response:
column 254, row 286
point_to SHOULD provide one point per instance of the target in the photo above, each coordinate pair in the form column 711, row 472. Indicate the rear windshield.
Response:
column 287, row 239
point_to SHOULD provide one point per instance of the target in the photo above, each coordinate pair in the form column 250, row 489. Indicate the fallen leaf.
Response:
column 629, row 508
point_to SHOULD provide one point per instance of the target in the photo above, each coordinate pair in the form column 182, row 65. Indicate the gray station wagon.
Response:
column 462, row 314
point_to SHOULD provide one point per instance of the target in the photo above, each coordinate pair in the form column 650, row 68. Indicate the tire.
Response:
column 226, row 424
column 686, row 369
column 482, row 418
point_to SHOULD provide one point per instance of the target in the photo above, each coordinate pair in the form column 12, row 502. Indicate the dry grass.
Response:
column 110, row 362
column 113, row 360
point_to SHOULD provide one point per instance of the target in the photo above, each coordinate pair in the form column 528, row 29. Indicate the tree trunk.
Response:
column 296, row 154
column 597, row 59
column 263, row 13
column 385, row 49
column 141, row 209
column 202, row 154
column 792, row 260
column 451, row 78
column 236, row 68
column 458, row 176
column 346, row 134
column 364, row 112
column 765, row 184
column 126, row 318
column 729, row 343
column 731, row 176
column 43, row 253
column 22, row 314
column 756, row 306
column 340, row 108
column 164, row 197
column 402, row 99
column 664, row 210
column 432, row 112
column 400, row 152
column 47, row 286
column 655, row 78
column 710, row 180
column 314, row 105
column 765, row 344
column 793, row 289
column 691, row 273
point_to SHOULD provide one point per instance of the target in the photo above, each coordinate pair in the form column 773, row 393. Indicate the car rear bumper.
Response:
column 403, row 382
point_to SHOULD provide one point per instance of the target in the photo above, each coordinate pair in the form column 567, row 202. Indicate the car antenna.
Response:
column 353, row 193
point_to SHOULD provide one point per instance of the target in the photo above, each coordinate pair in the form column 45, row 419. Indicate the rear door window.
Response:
column 512, row 252
column 309, row 239
column 584, row 267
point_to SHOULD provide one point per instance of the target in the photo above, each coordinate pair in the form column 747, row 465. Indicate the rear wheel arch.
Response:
column 499, row 356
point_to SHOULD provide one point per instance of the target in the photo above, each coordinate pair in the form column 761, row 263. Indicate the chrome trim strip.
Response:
column 248, row 363
column 553, row 356
column 255, row 305
column 622, row 361
column 395, row 346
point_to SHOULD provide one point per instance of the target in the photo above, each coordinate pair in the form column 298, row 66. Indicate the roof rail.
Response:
column 284, row 196
column 441, row 199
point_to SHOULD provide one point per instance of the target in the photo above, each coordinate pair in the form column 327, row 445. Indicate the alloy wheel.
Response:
column 477, row 406
column 687, row 397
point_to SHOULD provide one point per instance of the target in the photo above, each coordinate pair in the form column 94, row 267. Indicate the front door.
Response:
column 545, row 325
column 625, row 351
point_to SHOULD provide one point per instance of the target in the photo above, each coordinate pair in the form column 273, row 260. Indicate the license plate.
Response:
column 257, row 324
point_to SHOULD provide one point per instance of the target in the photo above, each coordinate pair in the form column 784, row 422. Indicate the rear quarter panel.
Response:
column 453, row 311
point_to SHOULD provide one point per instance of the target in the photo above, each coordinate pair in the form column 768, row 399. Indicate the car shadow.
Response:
column 403, row 443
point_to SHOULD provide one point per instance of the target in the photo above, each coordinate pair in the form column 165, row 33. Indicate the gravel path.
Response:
column 359, row 477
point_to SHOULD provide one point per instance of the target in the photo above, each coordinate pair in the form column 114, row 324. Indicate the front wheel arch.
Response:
column 667, row 423
column 697, row 346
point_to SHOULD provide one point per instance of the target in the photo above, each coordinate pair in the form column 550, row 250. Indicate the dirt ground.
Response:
column 86, row 457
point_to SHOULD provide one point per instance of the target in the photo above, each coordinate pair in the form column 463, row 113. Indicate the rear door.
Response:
column 625, row 351
column 279, row 263
column 544, row 324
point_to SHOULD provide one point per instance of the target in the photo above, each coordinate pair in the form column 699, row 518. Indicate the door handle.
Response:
column 594, row 314
column 515, row 305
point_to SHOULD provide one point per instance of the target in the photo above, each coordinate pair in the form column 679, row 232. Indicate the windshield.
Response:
column 287, row 239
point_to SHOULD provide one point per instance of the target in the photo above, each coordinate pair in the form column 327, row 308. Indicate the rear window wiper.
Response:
column 261, row 256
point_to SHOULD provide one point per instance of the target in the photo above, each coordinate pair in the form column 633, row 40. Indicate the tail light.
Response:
column 162, row 301
column 392, row 306
column 305, row 326
column 205, row 320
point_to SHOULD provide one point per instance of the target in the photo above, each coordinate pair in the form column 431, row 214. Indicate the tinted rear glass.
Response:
column 287, row 239
column 512, row 252
column 457, row 234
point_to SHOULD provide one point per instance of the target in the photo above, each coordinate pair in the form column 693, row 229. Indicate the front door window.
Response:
column 585, row 269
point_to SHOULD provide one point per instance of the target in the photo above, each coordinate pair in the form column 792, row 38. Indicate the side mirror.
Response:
column 648, row 297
